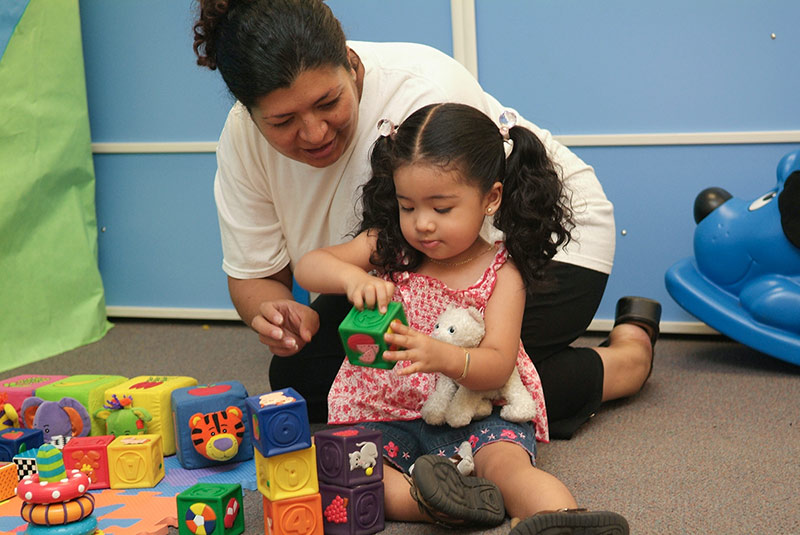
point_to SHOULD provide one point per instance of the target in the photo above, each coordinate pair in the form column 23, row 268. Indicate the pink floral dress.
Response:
column 364, row 394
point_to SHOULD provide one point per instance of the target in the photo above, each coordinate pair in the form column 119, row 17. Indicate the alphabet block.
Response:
column 279, row 422
column 211, row 426
column 362, row 335
column 153, row 393
column 15, row 440
column 210, row 509
column 301, row 515
column 135, row 461
column 352, row 511
column 87, row 389
column 89, row 455
column 287, row 475
column 349, row 456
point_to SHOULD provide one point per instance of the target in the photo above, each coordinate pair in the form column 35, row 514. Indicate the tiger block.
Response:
column 294, row 516
column 352, row 510
column 8, row 480
column 211, row 426
column 89, row 455
column 135, row 461
column 362, row 333
column 210, row 509
column 349, row 456
column 15, row 440
column 287, row 475
column 154, row 393
column 279, row 422
column 24, row 386
column 89, row 390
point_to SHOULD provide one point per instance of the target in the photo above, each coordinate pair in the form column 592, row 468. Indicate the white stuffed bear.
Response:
column 457, row 405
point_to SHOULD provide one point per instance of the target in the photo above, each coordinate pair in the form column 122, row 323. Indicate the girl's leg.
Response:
column 397, row 501
column 526, row 489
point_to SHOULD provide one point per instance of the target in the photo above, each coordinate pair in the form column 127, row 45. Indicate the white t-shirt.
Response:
column 272, row 209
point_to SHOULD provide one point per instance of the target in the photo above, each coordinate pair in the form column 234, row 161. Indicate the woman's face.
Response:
column 314, row 120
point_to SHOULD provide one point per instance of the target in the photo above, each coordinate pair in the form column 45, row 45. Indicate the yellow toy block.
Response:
column 287, row 475
column 8, row 480
column 154, row 393
column 135, row 461
column 294, row 516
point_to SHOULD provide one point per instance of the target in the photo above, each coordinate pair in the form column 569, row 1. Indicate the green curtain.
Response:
column 51, row 293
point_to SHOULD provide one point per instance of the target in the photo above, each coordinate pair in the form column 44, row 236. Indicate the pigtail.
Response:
column 206, row 29
column 535, row 215
column 381, row 215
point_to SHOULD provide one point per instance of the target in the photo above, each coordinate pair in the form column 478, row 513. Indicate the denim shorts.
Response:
column 405, row 441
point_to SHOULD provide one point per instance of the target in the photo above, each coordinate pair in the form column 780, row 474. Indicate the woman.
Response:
column 291, row 159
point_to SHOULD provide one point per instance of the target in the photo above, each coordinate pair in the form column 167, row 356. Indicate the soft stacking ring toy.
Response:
column 87, row 526
column 52, row 483
column 53, row 514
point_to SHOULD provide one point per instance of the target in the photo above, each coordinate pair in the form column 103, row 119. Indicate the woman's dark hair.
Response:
column 534, row 213
column 262, row 45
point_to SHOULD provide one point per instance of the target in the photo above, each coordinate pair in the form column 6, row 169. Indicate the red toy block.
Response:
column 89, row 455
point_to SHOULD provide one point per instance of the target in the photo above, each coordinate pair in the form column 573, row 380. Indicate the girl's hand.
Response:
column 426, row 354
column 285, row 326
column 370, row 291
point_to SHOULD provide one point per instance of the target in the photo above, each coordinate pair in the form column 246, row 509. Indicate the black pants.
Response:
column 557, row 312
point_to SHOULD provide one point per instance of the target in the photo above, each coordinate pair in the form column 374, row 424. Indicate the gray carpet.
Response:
column 711, row 445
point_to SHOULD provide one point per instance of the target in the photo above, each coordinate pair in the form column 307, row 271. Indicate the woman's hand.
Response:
column 285, row 326
column 368, row 291
column 426, row 354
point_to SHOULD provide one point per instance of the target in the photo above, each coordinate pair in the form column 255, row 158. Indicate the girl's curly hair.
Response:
column 534, row 214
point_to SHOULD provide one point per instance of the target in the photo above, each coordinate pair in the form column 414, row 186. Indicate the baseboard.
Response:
column 211, row 314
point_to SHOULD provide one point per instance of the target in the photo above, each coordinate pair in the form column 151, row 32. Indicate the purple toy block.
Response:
column 15, row 440
column 352, row 511
column 279, row 422
column 349, row 456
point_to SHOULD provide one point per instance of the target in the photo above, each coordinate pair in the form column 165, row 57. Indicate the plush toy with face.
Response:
column 67, row 417
column 744, row 280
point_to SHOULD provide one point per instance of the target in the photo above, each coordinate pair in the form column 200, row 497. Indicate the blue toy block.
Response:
column 349, row 456
column 15, row 440
column 210, row 424
column 279, row 422
column 352, row 511
column 744, row 279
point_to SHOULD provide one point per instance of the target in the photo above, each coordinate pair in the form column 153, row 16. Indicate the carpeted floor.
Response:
column 711, row 444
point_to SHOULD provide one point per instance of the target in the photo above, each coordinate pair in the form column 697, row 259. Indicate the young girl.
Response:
column 435, row 179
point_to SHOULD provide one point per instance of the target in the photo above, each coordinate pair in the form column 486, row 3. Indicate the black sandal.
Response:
column 644, row 312
column 452, row 499
column 568, row 521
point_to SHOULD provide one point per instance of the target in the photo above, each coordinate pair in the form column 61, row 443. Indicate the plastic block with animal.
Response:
column 301, row 515
column 154, row 394
column 24, row 386
column 352, row 510
column 349, row 456
column 135, row 461
column 362, row 333
column 210, row 509
column 744, row 278
column 279, row 422
column 15, row 440
column 89, row 390
column 210, row 424
column 65, row 418
column 90, row 456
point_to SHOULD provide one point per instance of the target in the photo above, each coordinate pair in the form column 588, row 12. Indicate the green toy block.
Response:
column 362, row 335
column 89, row 390
column 212, row 509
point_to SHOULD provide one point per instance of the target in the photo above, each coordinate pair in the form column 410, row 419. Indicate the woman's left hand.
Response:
column 425, row 354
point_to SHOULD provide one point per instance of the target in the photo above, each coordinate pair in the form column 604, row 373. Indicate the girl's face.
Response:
column 441, row 214
column 314, row 120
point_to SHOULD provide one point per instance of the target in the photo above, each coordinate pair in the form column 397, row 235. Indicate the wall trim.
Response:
column 465, row 41
column 578, row 140
column 225, row 314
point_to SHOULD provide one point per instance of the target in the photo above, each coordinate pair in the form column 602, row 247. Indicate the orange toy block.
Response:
column 154, row 393
column 89, row 455
column 301, row 515
column 135, row 461
column 287, row 475
column 8, row 480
